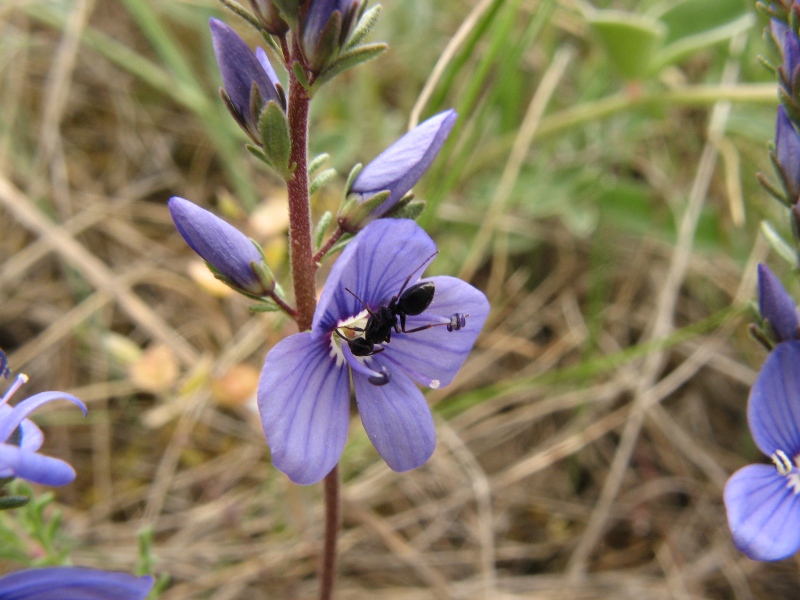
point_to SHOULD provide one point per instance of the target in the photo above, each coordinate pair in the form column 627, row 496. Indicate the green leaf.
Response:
column 265, row 306
column 777, row 243
column 274, row 129
column 317, row 163
column 322, row 226
column 300, row 74
column 411, row 210
column 364, row 26
column 689, row 45
column 350, row 59
column 631, row 41
column 320, row 180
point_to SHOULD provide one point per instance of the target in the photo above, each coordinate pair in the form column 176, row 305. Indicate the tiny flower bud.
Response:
column 787, row 155
column 399, row 167
column 776, row 306
column 249, row 81
column 235, row 257
column 325, row 28
column 270, row 17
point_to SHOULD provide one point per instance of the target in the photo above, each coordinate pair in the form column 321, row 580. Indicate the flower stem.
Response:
column 328, row 245
column 303, row 265
column 328, row 574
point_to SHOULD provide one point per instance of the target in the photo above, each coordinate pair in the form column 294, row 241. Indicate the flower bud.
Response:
column 776, row 306
column 787, row 155
column 270, row 17
column 325, row 28
column 400, row 166
column 235, row 258
column 249, row 81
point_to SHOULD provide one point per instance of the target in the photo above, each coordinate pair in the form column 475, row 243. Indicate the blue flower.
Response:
column 241, row 69
column 396, row 170
column 787, row 155
column 233, row 255
column 776, row 306
column 20, row 439
column 763, row 501
column 789, row 45
column 324, row 30
column 304, row 390
column 73, row 583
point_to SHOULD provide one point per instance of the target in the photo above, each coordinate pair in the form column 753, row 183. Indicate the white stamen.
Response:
column 434, row 384
column 21, row 380
column 782, row 462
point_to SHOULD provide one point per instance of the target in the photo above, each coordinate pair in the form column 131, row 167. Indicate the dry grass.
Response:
column 605, row 484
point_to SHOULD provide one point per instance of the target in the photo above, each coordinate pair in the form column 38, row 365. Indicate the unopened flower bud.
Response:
column 270, row 17
column 325, row 28
column 776, row 306
column 235, row 258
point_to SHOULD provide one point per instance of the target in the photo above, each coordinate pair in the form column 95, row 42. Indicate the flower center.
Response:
column 788, row 468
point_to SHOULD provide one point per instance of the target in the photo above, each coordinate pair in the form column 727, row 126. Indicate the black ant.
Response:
column 408, row 302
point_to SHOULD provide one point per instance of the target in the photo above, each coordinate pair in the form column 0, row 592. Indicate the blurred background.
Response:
column 599, row 186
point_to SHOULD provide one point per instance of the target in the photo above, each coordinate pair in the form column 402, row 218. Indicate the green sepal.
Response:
column 350, row 59
column 320, row 180
column 289, row 10
column 322, row 226
column 270, row 41
column 9, row 502
column 243, row 13
column 300, row 75
column 411, row 209
column 327, row 47
column 771, row 189
column 317, row 163
column 258, row 153
column 365, row 24
column 264, row 306
column 274, row 129
column 343, row 241
column 781, row 247
column 351, row 177
column 356, row 213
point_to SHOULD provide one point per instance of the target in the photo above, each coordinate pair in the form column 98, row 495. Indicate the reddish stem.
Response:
column 328, row 245
column 327, row 576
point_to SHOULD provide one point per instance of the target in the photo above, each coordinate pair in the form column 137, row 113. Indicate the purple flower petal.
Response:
column 763, row 512
column 222, row 245
column 373, row 266
column 10, row 422
column 304, row 401
column 240, row 68
column 262, row 58
column 775, row 304
column 34, row 467
column 403, row 163
column 791, row 58
column 787, row 150
column 31, row 437
column 437, row 354
column 773, row 410
column 396, row 417
column 73, row 583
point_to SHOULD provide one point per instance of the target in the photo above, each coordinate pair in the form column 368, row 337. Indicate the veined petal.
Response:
column 773, row 410
column 73, row 583
column 263, row 59
column 396, row 417
column 27, row 406
column 436, row 353
column 304, row 401
column 34, row 467
column 403, row 163
column 763, row 513
column 31, row 437
column 373, row 266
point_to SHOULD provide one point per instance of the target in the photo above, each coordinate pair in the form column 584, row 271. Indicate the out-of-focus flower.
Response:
column 395, row 170
column 789, row 45
column 324, row 30
column 20, row 439
column 763, row 501
column 776, row 306
column 243, row 75
column 378, row 323
column 73, row 583
column 235, row 258
column 787, row 155
column 270, row 17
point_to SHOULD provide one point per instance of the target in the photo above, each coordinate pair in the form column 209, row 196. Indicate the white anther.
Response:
column 782, row 462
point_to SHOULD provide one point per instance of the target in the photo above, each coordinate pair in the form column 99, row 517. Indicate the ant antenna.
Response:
column 371, row 314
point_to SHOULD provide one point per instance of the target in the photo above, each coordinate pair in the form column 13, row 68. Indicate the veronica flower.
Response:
column 20, row 439
column 763, row 501
column 776, row 306
column 789, row 45
column 304, row 390
column 242, row 73
column 73, row 583
column 235, row 257
column 395, row 170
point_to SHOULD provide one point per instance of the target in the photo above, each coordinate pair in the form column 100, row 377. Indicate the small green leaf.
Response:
column 320, row 180
column 365, row 25
column 317, row 163
column 410, row 210
column 274, row 129
column 322, row 226
column 350, row 59
column 300, row 74
column 257, row 152
column 631, row 41
column 265, row 306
